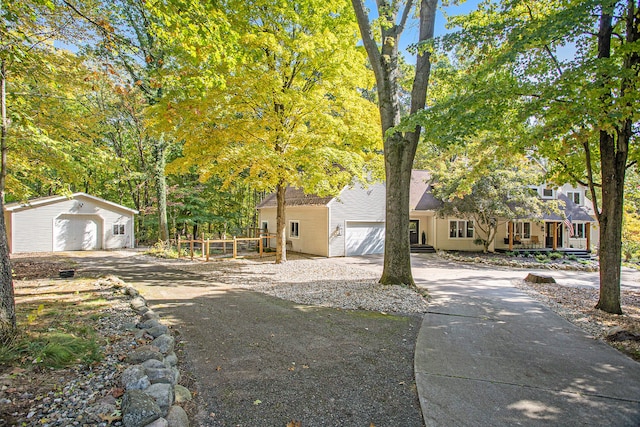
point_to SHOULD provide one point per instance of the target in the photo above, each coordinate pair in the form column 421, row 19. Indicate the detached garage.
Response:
column 80, row 222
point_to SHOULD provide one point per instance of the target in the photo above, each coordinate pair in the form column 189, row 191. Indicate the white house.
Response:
column 61, row 223
column 353, row 222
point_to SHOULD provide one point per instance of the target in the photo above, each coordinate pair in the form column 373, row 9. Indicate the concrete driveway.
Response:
column 487, row 354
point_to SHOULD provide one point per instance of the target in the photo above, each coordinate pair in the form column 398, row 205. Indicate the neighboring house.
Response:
column 353, row 222
column 61, row 223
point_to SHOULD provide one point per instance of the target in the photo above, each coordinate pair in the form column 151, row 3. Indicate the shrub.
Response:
column 542, row 258
column 556, row 255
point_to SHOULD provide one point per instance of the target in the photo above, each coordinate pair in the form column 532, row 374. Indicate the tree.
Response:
column 499, row 193
column 291, row 112
column 399, row 147
column 572, row 67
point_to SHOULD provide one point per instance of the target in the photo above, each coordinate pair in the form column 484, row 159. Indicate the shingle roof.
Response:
column 295, row 197
column 15, row 206
column 420, row 194
column 571, row 210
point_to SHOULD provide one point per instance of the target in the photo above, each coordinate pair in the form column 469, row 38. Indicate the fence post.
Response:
column 235, row 247
column 178, row 247
column 207, row 249
column 260, row 244
column 191, row 247
column 202, row 246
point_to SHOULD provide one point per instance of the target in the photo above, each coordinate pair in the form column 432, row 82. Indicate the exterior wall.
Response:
column 425, row 225
column 32, row 228
column 446, row 243
column 357, row 204
column 312, row 228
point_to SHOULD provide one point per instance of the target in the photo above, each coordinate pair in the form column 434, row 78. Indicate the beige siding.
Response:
column 446, row 243
column 312, row 228
column 425, row 225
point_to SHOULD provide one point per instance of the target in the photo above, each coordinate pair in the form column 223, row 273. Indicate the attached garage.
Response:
column 79, row 222
column 364, row 238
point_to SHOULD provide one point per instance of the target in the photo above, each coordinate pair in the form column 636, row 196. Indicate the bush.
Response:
column 542, row 258
column 556, row 255
column 511, row 253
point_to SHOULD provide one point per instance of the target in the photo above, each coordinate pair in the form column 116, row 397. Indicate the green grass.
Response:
column 55, row 333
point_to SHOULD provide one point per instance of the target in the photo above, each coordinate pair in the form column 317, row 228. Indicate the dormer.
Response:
column 576, row 196
column 547, row 192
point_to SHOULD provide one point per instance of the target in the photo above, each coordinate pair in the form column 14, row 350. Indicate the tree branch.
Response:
column 367, row 38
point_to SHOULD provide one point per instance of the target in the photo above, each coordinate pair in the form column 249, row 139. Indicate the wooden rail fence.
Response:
column 206, row 244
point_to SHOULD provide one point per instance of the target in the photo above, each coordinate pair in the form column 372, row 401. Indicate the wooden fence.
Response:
column 206, row 245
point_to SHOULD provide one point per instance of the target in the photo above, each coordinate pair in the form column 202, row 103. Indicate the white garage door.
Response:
column 364, row 238
column 77, row 233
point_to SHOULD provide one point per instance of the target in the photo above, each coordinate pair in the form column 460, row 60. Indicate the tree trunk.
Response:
column 7, row 299
column 281, row 229
column 397, row 249
column 613, row 171
column 161, row 188
column 399, row 149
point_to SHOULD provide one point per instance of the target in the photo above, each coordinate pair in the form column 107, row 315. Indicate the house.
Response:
column 352, row 223
column 61, row 223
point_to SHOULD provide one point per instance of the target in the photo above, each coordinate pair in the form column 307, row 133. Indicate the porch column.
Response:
column 510, row 236
column 588, row 232
column 555, row 236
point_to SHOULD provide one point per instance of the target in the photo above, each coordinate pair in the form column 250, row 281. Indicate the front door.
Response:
column 549, row 226
column 413, row 231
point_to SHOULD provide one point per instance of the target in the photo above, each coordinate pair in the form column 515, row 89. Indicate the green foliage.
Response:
column 542, row 258
column 556, row 255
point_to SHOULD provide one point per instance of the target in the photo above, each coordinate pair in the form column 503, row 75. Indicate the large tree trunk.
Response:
column 614, row 152
column 613, row 172
column 161, row 188
column 281, row 229
column 7, row 299
column 399, row 149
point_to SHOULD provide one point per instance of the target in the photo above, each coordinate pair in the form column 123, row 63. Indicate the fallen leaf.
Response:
column 257, row 402
column 294, row 423
column 117, row 392
column 218, row 368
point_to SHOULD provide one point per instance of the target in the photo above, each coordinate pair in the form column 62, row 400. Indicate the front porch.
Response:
column 578, row 253
column 545, row 236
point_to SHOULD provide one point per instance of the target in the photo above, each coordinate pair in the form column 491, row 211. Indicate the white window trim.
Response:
column 570, row 195
column 466, row 228
column 120, row 231
column 575, row 230
column 552, row 196
column 297, row 236
column 515, row 229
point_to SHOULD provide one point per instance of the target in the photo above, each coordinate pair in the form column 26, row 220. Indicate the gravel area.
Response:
column 319, row 282
column 67, row 397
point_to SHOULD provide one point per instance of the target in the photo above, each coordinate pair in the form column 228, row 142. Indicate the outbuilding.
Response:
column 68, row 223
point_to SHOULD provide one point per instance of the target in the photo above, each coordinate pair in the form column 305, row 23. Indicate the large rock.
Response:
column 137, row 303
column 144, row 353
column 135, row 378
column 165, row 343
column 161, row 375
column 177, row 417
column 157, row 331
column 153, row 364
column 171, row 359
column 539, row 278
column 182, row 394
column 160, row 422
column 163, row 395
column 139, row 409
column 149, row 315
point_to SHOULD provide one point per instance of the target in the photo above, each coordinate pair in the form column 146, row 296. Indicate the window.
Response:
column 118, row 229
column 547, row 193
column 522, row 229
column 574, row 196
column 579, row 231
column 264, row 227
column 461, row 229
column 294, row 229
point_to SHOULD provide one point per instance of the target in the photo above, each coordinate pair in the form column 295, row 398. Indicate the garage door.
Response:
column 77, row 233
column 364, row 238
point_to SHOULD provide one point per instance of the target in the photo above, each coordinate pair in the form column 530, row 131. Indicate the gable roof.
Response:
column 41, row 201
column 571, row 210
column 295, row 197
column 420, row 192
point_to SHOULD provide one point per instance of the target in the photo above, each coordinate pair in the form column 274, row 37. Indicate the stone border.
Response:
column 150, row 381
column 591, row 267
